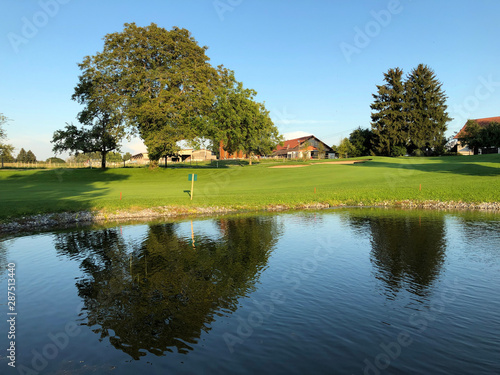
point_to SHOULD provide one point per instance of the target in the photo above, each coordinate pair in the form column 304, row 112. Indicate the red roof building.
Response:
column 464, row 149
column 482, row 122
column 308, row 147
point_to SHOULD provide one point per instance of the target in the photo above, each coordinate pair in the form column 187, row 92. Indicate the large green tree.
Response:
column 361, row 139
column 160, row 80
column 85, row 140
column 239, row 121
column 388, row 116
column 426, row 109
column 101, row 116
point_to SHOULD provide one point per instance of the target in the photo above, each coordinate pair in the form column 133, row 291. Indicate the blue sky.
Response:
column 314, row 63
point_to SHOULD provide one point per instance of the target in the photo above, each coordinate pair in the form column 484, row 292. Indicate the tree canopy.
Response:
column 388, row 116
column 22, row 156
column 361, row 140
column 239, row 121
column 3, row 121
column 159, row 84
column 75, row 140
column 426, row 109
column 346, row 149
column 159, row 80
column 409, row 114
column 476, row 136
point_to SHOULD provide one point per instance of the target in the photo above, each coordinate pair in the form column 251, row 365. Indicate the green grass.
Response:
column 466, row 178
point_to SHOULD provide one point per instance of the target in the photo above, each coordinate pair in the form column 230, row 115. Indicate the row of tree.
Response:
column 7, row 150
column 408, row 116
column 159, row 84
column 26, row 157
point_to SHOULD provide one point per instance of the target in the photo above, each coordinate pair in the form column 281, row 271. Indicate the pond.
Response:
column 348, row 291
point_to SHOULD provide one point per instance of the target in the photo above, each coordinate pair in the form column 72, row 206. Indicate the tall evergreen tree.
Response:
column 388, row 116
column 426, row 109
column 30, row 157
column 21, row 157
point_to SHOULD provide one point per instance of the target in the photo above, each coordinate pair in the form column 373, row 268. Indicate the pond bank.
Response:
column 67, row 219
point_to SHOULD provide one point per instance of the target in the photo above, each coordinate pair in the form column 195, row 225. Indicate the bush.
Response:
column 398, row 151
column 418, row 152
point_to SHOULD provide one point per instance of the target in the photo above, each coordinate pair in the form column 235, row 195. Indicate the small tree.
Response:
column 491, row 135
column 345, row 148
column 7, row 153
column 472, row 135
column 127, row 156
column 95, row 139
column 6, row 150
column 3, row 120
column 361, row 139
column 476, row 136
column 30, row 157
column 22, row 156
column 55, row 160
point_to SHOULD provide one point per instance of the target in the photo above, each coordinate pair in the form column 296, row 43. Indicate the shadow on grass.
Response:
column 465, row 165
column 214, row 165
column 50, row 191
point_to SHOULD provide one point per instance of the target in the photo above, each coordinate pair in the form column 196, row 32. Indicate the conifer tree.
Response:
column 21, row 157
column 426, row 109
column 30, row 157
column 389, row 116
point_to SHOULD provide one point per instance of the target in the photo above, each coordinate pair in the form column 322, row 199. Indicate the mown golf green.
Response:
column 462, row 178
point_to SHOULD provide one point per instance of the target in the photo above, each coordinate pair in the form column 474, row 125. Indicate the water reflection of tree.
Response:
column 164, row 293
column 407, row 250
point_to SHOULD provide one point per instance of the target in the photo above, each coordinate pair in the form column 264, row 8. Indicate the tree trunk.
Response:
column 103, row 159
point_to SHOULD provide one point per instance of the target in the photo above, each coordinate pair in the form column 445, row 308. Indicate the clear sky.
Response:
column 314, row 63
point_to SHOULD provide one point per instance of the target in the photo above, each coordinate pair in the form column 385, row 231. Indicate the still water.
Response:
column 351, row 291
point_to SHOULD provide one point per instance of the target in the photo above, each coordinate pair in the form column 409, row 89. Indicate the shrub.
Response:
column 398, row 151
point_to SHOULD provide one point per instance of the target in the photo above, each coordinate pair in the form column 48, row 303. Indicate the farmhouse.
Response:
column 308, row 147
column 464, row 149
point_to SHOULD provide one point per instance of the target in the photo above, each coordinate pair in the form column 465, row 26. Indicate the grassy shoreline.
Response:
column 447, row 182
column 67, row 219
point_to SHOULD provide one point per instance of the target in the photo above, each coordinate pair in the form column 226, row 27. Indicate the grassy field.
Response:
column 466, row 178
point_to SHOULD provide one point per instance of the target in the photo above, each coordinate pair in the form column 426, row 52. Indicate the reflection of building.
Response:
column 308, row 147
column 182, row 156
column 464, row 149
